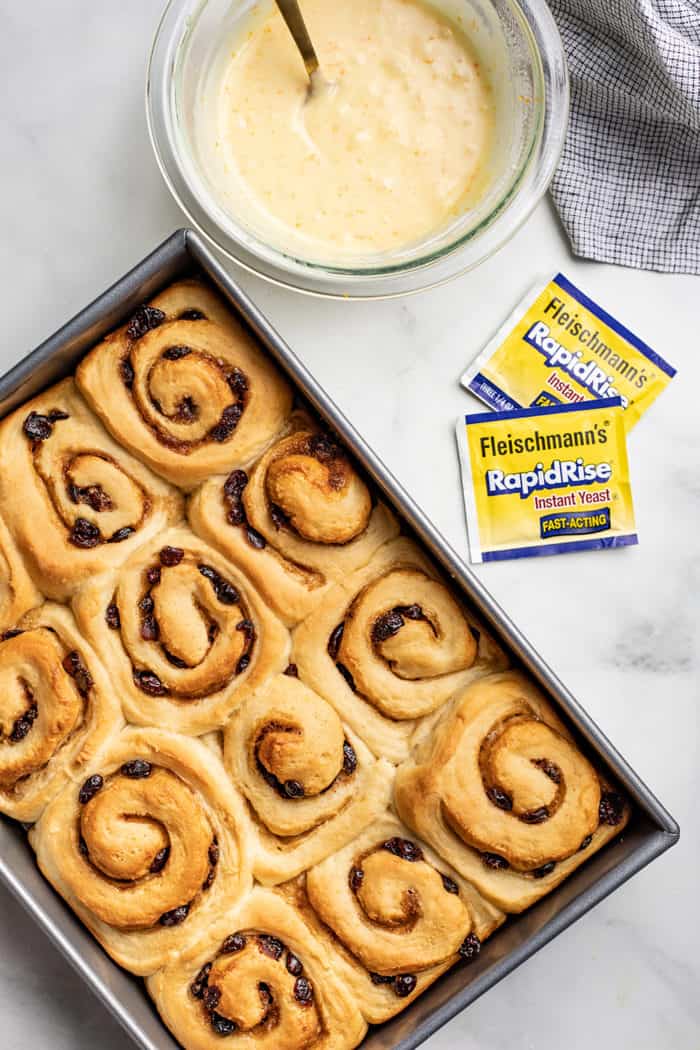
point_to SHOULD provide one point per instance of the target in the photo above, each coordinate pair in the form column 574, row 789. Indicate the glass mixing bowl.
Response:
column 528, row 75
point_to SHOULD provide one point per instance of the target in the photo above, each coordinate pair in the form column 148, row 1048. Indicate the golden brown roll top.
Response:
column 185, row 387
column 75, row 502
column 17, row 590
column 529, row 776
column 309, row 483
column 504, row 794
column 183, row 632
column 148, row 846
column 262, row 981
column 311, row 783
column 398, row 916
column 57, row 709
column 403, row 631
column 390, row 646
column 301, row 519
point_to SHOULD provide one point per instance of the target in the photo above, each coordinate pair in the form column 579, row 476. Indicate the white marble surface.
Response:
column 82, row 201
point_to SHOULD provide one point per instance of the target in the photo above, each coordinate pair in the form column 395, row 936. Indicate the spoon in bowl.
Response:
column 291, row 13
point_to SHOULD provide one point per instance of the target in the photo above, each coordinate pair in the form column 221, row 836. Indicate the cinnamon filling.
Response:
column 170, row 557
column 267, row 1014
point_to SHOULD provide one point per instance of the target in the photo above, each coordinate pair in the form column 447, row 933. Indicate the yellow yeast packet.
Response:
column 560, row 347
column 546, row 480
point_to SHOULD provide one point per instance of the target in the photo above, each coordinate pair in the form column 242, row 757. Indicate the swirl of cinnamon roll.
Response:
column 148, row 846
column 311, row 783
column 57, row 710
column 75, row 502
column 184, row 386
column 503, row 793
column 260, row 979
column 394, row 915
column 17, row 591
column 183, row 633
column 390, row 645
column 302, row 519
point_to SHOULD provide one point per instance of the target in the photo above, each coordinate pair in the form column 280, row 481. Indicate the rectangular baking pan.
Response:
column 651, row 831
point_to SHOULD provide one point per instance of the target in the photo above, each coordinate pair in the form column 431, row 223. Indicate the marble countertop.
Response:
column 82, row 201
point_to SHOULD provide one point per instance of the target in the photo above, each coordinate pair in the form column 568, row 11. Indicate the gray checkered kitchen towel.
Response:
column 628, row 185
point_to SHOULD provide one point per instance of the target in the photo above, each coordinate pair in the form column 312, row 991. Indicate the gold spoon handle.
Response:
column 291, row 13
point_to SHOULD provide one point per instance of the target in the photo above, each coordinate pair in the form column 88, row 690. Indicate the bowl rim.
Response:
column 431, row 269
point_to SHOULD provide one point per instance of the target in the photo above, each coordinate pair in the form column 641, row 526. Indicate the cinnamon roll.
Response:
column 148, row 848
column 312, row 785
column 261, row 979
column 75, row 502
column 185, row 387
column 390, row 645
column 300, row 520
column 17, row 590
column 57, row 710
column 183, row 633
column 502, row 792
column 393, row 915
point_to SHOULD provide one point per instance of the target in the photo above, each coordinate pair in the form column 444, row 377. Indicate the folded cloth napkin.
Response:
column 628, row 184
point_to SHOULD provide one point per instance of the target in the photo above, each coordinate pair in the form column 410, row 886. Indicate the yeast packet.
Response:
column 546, row 480
column 560, row 347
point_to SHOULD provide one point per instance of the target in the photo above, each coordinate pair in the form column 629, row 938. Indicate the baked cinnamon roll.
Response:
column 17, row 590
column 57, row 710
column 260, row 979
column 75, row 501
column 183, row 633
column 301, row 519
column 502, row 792
column 312, row 785
column 393, row 915
column 185, row 387
column 390, row 645
column 149, row 847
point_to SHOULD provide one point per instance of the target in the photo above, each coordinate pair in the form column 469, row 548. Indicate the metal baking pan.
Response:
column 651, row 831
